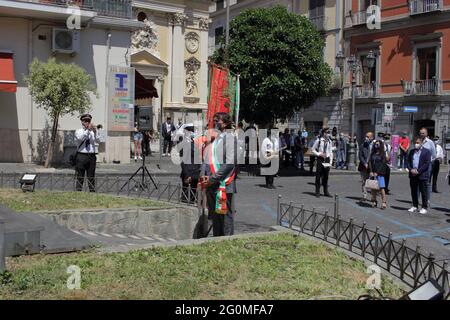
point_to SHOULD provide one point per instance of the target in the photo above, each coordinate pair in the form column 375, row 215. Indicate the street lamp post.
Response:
column 354, row 66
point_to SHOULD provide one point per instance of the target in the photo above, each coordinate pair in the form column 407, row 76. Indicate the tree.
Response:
column 278, row 55
column 60, row 89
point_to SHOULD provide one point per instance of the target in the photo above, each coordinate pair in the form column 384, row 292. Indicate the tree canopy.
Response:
column 60, row 89
column 279, row 56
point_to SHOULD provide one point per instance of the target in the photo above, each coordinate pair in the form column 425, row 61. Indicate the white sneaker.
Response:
column 135, row 158
column 400, row 169
column 423, row 211
column 413, row 209
column 140, row 158
column 406, row 169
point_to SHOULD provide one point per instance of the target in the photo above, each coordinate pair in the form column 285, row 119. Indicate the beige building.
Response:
column 327, row 16
column 165, row 41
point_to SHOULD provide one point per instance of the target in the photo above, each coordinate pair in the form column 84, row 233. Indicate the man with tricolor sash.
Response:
column 218, row 176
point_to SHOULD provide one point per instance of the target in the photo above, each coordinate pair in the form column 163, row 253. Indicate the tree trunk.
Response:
column 51, row 145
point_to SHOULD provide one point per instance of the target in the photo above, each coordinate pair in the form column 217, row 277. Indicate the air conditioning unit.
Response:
column 65, row 41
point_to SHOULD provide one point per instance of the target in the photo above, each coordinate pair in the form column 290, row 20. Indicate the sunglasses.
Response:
column 85, row 120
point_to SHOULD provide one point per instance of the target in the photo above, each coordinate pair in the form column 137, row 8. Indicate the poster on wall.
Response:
column 121, row 99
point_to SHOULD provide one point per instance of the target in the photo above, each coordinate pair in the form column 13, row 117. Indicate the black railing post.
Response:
column 302, row 217
column 180, row 186
column 376, row 245
column 364, row 232
column 389, row 243
column 1, row 179
column 402, row 259
column 117, row 185
column 189, row 194
column 290, row 215
column 350, row 228
column 169, row 196
column 326, row 225
column 430, row 265
column 338, row 230
column 313, row 222
column 416, row 266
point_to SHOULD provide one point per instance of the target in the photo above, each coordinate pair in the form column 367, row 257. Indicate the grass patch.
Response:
column 41, row 200
column 281, row 266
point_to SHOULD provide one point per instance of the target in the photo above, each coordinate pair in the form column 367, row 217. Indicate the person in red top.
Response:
column 404, row 147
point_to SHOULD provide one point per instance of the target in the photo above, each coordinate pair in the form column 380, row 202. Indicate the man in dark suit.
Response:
column 190, row 164
column 167, row 129
column 218, row 176
column 419, row 160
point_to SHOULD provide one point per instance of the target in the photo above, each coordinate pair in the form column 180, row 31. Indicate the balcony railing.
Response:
column 359, row 17
column 422, row 87
column 367, row 91
column 109, row 8
column 362, row 91
column 424, row 6
column 319, row 22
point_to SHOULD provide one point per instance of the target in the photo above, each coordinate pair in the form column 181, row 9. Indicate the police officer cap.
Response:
column 436, row 138
column 86, row 116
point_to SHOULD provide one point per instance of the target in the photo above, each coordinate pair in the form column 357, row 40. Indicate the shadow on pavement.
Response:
column 441, row 209
column 399, row 208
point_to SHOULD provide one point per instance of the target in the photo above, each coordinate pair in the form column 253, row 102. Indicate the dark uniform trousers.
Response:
column 86, row 163
column 434, row 173
column 321, row 174
column 222, row 223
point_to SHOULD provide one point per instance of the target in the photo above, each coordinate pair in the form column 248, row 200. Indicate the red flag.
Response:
column 219, row 98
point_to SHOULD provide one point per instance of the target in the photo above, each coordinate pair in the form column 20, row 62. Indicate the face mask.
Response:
column 376, row 147
column 417, row 146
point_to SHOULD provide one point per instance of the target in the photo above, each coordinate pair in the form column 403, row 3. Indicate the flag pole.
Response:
column 238, row 98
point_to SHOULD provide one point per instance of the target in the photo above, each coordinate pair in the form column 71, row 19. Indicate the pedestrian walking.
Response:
column 287, row 150
column 363, row 167
column 388, row 149
column 167, row 129
column 218, row 176
column 322, row 149
column 86, row 154
column 435, row 165
column 419, row 161
column 404, row 145
column 269, row 151
column 137, row 139
column 190, row 164
column 378, row 168
column 428, row 144
column 341, row 152
column 312, row 157
column 300, row 144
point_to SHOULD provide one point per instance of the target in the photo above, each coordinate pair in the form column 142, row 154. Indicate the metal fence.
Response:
column 117, row 185
column 409, row 265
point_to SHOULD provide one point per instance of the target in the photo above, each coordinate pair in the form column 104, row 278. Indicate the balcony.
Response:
column 367, row 91
column 109, row 8
column 424, row 6
column 363, row 91
column 359, row 18
column 319, row 22
column 422, row 87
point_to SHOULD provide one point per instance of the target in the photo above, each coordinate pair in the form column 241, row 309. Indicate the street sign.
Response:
column 412, row 109
column 388, row 109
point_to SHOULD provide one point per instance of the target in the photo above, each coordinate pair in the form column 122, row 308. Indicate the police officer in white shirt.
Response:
column 436, row 163
column 86, row 153
column 322, row 149
column 269, row 151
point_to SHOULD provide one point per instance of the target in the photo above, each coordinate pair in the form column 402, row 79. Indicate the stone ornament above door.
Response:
column 192, row 41
column 146, row 38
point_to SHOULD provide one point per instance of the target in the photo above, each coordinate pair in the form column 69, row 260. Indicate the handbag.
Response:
column 372, row 184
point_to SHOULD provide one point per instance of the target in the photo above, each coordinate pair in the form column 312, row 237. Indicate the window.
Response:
column 364, row 4
column 316, row 8
column 220, row 4
column 426, row 63
column 368, row 76
column 218, row 34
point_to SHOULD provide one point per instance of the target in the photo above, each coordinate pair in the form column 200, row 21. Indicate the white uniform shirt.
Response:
column 319, row 147
column 269, row 145
column 439, row 153
column 89, row 137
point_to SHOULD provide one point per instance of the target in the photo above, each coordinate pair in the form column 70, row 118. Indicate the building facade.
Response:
column 412, row 66
column 327, row 16
column 166, row 43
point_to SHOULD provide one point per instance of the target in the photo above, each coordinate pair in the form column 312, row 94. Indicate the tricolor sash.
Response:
column 221, row 196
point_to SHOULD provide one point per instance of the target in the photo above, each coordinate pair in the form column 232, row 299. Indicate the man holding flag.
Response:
column 218, row 176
